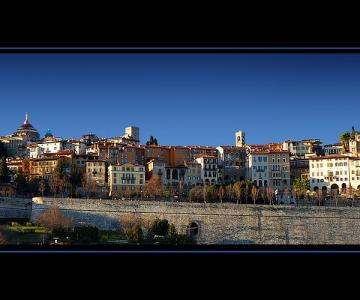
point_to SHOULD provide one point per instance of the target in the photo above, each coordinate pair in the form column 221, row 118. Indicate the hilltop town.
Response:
column 120, row 167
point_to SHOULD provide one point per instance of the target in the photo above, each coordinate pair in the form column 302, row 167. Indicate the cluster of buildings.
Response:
column 121, row 164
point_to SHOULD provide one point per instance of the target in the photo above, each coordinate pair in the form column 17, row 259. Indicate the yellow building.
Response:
column 45, row 167
column 126, row 178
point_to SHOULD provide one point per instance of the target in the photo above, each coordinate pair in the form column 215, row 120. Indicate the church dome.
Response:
column 49, row 134
column 27, row 131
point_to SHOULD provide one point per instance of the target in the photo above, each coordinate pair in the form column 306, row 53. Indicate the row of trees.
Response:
column 239, row 192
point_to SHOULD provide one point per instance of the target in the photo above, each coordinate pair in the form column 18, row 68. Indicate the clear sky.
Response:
column 183, row 99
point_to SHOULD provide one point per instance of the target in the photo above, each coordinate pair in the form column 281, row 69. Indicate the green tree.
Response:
column 4, row 171
column 21, row 183
column 59, row 172
column 196, row 193
column 211, row 194
column 172, row 234
column 75, row 179
column 301, row 186
column 3, row 152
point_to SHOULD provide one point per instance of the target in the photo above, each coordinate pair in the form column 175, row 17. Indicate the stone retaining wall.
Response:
column 224, row 223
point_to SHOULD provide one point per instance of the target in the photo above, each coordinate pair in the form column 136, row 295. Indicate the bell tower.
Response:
column 240, row 139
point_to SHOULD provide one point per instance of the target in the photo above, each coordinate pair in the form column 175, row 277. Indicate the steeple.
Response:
column 26, row 119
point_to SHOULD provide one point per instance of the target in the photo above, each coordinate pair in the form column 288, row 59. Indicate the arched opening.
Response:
column 212, row 181
column 265, row 183
column 343, row 188
column 255, row 182
column 358, row 187
column 193, row 230
column 168, row 174
column 324, row 190
column 260, row 183
column 335, row 189
column 316, row 189
column 175, row 175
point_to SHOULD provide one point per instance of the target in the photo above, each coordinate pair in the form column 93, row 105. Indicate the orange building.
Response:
column 179, row 155
column 160, row 153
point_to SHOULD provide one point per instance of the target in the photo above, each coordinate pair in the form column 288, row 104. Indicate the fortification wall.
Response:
column 224, row 223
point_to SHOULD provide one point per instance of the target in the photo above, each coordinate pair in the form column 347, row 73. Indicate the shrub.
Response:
column 159, row 227
column 86, row 234
column 135, row 234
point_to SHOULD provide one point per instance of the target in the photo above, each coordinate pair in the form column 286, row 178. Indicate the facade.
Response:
column 209, row 169
column 354, row 145
column 193, row 174
column 77, row 146
column 96, row 173
column 159, row 153
column 299, row 168
column 16, row 165
column 258, row 170
column 232, row 163
column 334, row 172
column 178, row 155
column 126, row 178
column 270, row 169
column 196, row 151
column 303, row 148
column 14, row 146
column 332, row 149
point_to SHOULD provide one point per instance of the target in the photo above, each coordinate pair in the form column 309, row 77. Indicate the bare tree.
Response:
column 254, row 193
column 270, row 194
column 53, row 185
column 54, row 218
column 286, row 194
column 154, row 187
column 42, row 187
column 221, row 193
column 229, row 192
column 237, row 191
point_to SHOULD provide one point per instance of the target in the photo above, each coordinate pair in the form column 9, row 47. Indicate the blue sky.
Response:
column 183, row 99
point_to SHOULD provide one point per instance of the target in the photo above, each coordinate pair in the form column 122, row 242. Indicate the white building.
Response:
column 337, row 172
column 77, row 146
column 209, row 169
column 270, row 169
column 303, row 148
column 258, row 171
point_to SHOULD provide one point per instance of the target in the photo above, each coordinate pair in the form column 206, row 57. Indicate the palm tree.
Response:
column 345, row 138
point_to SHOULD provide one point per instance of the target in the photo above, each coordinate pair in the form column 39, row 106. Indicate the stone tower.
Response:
column 240, row 139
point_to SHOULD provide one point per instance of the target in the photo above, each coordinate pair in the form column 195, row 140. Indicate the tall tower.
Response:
column 240, row 139
column 133, row 132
